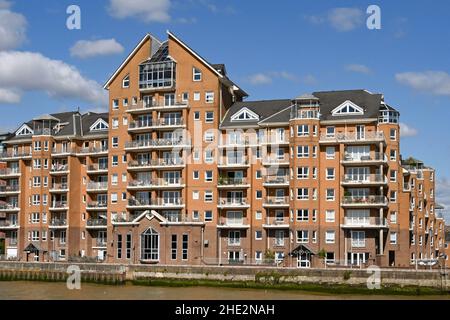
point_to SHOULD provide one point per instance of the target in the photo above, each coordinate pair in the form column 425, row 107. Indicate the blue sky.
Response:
column 271, row 50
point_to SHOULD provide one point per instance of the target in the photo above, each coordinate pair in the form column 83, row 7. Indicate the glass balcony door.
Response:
column 235, row 218
column 171, row 197
column 358, row 217
column 358, row 174
column 235, row 197
column 172, row 177
column 358, row 152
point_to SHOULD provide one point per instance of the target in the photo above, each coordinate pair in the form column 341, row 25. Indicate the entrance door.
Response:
column 391, row 258
column 303, row 260
column 357, row 258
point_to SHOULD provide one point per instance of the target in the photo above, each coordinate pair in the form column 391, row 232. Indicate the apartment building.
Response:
column 183, row 170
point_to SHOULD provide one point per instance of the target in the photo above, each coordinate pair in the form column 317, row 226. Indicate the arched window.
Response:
column 150, row 245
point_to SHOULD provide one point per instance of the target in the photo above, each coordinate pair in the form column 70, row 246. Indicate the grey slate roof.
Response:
column 74, row 123
column 264, row 109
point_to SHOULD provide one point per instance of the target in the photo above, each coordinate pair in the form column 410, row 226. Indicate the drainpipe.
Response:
column 202, row 244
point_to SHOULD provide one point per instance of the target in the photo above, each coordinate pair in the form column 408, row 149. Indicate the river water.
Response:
column 57, row 290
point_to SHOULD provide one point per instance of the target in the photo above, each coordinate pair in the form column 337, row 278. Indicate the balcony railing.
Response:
column 97, row 167
column 365, row 222
column 156, row 143
column 351, row 137
column 60, row 186
column 156, row 182
column 364, row 200
column 363, row 178
column 59, row 204
column 161, row 122
column 97, row 205
column 95, row 186
column 9, row 172
column 96, row 222
column 93, row 150
column 232, row 181
column 143, row 106
column 9, row 206
column 241, row 222
column 233, row 162
column 275, row 201
column 9, row 223
column 58, row 222
column 274, row 161
column 9, row 155
column 276, row 180
column 276, row 221
column 233, row 202
column 275, row 140
column 13, row 188
column 59, row 168
column 62, row 150
column 156, row 162
column 155, row 202
column 377, row 156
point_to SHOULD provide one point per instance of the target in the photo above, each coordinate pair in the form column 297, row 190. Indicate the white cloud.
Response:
column 268, row 77
column 5, row 4
column 443, row 194
column 340, row 19
column 433, row 82
column 28, row 71
column 147, row 11
column 309, row 80
column 9, row 96
column 358, row 68
column 13, row 28
column 86, row 49
column 407, row 131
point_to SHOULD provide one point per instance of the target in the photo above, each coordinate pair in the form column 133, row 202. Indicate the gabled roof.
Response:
column 154, row 46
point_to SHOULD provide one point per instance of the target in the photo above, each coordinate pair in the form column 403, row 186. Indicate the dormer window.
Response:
column 24, row 131
column 244, row 114
column 126, row 81
column 196, row 74
column 347, row 108
column 99, row 125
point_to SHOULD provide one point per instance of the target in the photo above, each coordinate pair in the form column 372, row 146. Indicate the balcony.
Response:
column 364, row 223
column 143, row 107
column 225, row 183
column 364, row 201
column 161, row 123
column 59, row 206
column 93, row 151
column 169, row 163
column 155, row 184
column 100, row 243
column 9, row 173
column 158, row 203
column 233, row 163
column 7, row 190
column 352, row 138
column 97, row 187
column 58, row 224
column 156, row 144
column 272, row 162
column 9, row 224
column 376, row 158
column 276, row 181
column 97, row 168
column 9, row 156
column 96, row 206
column 275, row 141
column 62, row 152
column 59, row 188
column 96, row 224
column 276, row 223
column 363, row 180
column 233, row 203
column 276, row 202
column 237, row 143
column 9, row 207
column 233, row 223
column 59, row 169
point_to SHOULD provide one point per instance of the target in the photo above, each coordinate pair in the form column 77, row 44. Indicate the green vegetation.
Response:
column 2, row 246
column 347, row 274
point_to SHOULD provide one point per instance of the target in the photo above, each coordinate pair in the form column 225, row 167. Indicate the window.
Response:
column 195, row 175
column 174, row 247
column 208, row 176
column 314, row 152
column 330, row 216
column 209, row 136
column 393, row 175
column 115, row 104
column 36, row 199
column 258, row 235
column 114, row 179
column 36, row 181
column 314, row 237
column 113, row 197
column 208, row 196
column 185, row 96
column 258, row 215
column 115, row 161
column 125, row 102
column 209, row 116
column 244, row 114
column 330, row 195
column 330, row 151
column 45, row 164
column 196, row 74
column 393, row 217
column 314, row 174
column 258, row 174
column 124, row 177
column 126, row 82
column 393, row 196
column 209, row 157
column 258, row 194
column 195, row 215
column 302, row 215
column 258, row 256
column 302, row 151
column 330, row 132
column 302, row 172
column 128, row 246
column 393, row 134
column 358, row 239
column 134, row 101
column 35, row 217
column 119, row 246
column 302, row 130
column 330, row 174
column 196, row 96
column 302, row 236
column 329, row 236
column 209, row 97
column 124, row 196
column 234, row 238
column 393, row 155
column 347, row 107
column 115, row 123
column 302, row 194
column 393, row 238
column 37, row 146
column 150, row 245
column 208, row 215
column 115, row 142
column 196, row 115
column 195, row 195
